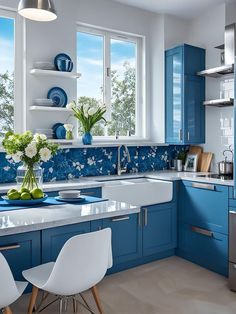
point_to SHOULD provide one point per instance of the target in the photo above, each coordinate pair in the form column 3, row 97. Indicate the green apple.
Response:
column 22, row 190
column 25, row 196
column 14, row 195
column 37, row 193
column 11, row 191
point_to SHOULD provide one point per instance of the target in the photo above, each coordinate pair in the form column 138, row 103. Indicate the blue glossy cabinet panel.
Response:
column 96, row 192
column 53, row 239
column 203, row 207
column 24, row 252
column 126, row 236
column 174, row 94
column 160, row 228
column 210, row 251
column 184, row 95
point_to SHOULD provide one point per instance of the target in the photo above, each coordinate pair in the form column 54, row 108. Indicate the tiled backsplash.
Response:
column 77, row 162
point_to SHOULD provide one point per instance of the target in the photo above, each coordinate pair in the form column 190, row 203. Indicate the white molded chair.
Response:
column 81, row 264
column 10, row 290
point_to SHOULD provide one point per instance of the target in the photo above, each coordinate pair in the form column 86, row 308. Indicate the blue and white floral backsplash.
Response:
column 77, row 162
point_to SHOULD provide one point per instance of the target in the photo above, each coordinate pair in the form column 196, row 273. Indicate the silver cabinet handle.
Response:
column 188, row 136
column 145, row 211
column 139, row 218
column 203, row 186
column 120, row 218
column 180, row 135
column 202, row 231
column 9, row 247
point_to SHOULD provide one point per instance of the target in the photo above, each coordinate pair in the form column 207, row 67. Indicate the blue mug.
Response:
column 65, row 65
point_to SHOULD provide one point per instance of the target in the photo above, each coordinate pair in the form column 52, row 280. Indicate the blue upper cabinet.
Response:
column 184, row 95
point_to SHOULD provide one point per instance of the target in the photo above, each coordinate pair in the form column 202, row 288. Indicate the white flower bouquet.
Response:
column 29, row 149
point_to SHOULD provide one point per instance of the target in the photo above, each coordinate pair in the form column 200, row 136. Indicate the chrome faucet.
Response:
column 120, row 169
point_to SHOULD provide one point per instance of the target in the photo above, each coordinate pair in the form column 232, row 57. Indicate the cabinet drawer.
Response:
column 54, row 239
column 204, row 247
column 96, row 192
column 204, row 205
column 22, row 251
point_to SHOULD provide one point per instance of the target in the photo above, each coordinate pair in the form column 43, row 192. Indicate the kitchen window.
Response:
column 111, row 66
column 7, row 72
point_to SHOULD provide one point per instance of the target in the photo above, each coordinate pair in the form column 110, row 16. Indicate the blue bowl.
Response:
column 65, row 65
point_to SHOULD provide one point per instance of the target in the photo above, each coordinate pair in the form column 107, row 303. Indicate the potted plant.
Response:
column 181, row 160
column 88, row 116
column 30, row 150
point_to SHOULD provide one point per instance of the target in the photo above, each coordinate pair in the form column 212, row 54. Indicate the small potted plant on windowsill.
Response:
column 88, row 116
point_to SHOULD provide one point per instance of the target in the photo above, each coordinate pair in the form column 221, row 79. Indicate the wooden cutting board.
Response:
column 197, row 150
column 205, row 162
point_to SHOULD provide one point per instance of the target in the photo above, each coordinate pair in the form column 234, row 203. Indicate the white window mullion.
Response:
column 107, row 76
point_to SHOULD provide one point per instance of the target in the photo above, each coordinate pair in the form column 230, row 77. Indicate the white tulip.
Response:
column 71, row 105
column 45, row 154
column 86, row 108
column 31, row 150
column 68, row 127
column 92, row 111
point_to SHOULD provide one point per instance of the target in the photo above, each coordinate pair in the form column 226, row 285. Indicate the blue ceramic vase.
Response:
column 87, row 138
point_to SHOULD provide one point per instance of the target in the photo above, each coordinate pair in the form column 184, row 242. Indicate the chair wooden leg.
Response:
column 7, row 310
column 33, row 298
column 96, row 298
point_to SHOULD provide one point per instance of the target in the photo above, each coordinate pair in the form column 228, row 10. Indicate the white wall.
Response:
column 45, row 40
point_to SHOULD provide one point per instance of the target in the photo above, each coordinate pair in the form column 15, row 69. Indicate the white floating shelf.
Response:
column 54, row 109
column 55, row 73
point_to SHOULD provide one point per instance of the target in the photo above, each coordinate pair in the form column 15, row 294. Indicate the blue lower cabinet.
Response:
column 159, row 228
column 54, row 239
column 126, row 237
column 204, row 247
column 204, row 205
column 96, row 192
column 22, row 251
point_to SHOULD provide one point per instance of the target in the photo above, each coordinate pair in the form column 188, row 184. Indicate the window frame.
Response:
column 19, row 111
column 140, row 110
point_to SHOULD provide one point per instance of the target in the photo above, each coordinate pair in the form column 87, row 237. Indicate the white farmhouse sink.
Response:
column 139, row 192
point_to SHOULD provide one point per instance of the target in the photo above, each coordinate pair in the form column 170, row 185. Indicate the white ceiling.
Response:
column 181, row 8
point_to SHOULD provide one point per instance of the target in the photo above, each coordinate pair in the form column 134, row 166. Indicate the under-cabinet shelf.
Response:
column 53, row 109
column 40, row 72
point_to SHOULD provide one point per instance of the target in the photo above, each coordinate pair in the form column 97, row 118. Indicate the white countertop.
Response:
column 59, row 185
column 32, row 219
column 167, row 175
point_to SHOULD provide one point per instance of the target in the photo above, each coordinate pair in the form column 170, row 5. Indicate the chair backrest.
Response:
column 8, row 289
column 81, row 264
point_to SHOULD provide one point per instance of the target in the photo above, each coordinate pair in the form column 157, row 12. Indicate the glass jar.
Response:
column 29, row 177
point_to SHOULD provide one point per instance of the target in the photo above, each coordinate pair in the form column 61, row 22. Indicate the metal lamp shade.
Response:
column 37, row 10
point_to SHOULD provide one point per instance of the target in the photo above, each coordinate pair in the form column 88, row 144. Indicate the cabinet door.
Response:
column 22, row 251
column 53, row 239
column 174, row 95
column 159, row 228
column 204, row 247
column 204, row 205
column 126, row 237
column 194, row 110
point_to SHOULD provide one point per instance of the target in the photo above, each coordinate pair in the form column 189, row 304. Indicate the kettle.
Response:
column 226, row 167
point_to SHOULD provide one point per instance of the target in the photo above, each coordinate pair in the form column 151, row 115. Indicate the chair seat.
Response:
column 39, row 275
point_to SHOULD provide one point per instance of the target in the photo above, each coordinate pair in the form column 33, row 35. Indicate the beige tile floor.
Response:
column 168, row 286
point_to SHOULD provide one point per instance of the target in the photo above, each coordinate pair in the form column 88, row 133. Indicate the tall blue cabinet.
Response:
column 184, row 95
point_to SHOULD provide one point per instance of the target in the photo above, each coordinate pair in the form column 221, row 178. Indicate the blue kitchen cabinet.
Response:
column 126, row 237
column 206, row 248
column 203, row 225
column 184, row 95
column 96, row 192
column 53, row 239
column 204, row 205
column 159, row 228
column 22, row 251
